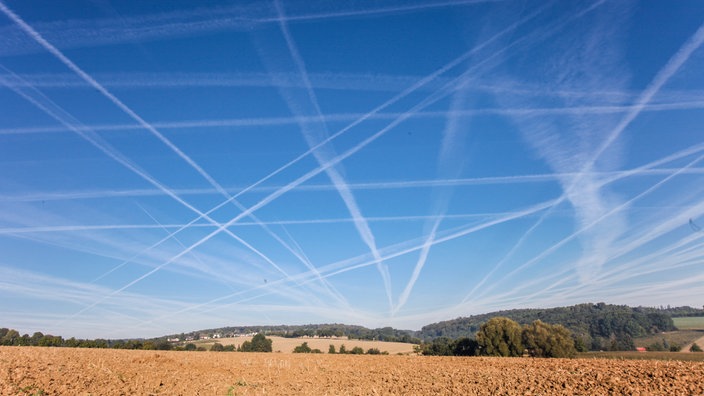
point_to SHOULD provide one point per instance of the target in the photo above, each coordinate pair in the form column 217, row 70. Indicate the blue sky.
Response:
column 174, row 166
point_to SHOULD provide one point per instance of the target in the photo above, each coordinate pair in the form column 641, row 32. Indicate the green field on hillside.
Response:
column 689, row 322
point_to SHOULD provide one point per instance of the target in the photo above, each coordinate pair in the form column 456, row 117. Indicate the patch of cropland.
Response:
column 689, row 322
column 49, row 371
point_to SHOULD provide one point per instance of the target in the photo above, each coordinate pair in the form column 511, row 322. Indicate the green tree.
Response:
column 546, row 340
column 441, row 346
column 331, row 349
column 11, row 337
column 500, row 336
column 343, row 350
column 36, row 337
column 303, row 348
column 357, row 351
column 217, row 347
column 259, row 343
column 465, row 347
column 695, row 348
column 190, row 346
column 373, row 351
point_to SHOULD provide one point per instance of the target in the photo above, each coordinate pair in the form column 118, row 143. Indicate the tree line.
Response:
column 304, row 348
column 501, row 336
column 594, row 326
column 10, row 337
column 388, row 334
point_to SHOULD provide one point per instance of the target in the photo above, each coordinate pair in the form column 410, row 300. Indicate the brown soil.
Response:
column 66, row 371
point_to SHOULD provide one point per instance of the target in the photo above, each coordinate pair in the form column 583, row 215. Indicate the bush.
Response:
column 546, row 340
column 357, row 351
column 331, row 349
column 259, row 343
column 500, row 336
column 373, row 351
column 655, row 347
column 190, row 347
column 465, row 347
column 695, row 348
column 303, row 348
column 217, row 347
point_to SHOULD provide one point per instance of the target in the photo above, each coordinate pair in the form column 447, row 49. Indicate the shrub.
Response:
column 500, row 336
column 357, row 351
column 303, row 348
column 546, row 340
column 655, row 347
column 695, row 348
column 217, row 347
column 259, row 343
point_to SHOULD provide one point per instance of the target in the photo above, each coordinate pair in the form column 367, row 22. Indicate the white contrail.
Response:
column 332, row 290
column 644, row 169
column 585, row 228
column 673, row 65
column 56, row 112
column 112, row 98
column 54, row 51
column 323, row 154
column 103, row 227
column 395, row 251
column 449, row 165
column 428, row 101
column 346, row 117
column 84, row 33
column 390, row 185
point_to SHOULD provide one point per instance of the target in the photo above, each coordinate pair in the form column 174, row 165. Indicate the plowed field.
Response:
column 65, row 371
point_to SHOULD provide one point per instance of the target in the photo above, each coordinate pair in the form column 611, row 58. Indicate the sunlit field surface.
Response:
column 50, row 371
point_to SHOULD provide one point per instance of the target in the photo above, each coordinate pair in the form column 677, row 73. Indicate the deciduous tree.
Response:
column 500, row 336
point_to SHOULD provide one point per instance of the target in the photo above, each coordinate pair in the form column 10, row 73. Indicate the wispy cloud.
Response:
column 587, row 150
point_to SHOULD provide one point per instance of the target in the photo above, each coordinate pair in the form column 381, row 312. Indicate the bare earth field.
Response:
column 67, row 371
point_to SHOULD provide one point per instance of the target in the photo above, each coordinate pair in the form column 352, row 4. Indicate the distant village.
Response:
column 211, row 336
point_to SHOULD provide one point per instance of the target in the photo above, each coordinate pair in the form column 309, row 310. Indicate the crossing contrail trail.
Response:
column 316, row 131
column 424, row 103
column 660, row 79
column 428, row 101
column 55, row 111
column 85, row 76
